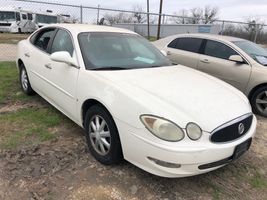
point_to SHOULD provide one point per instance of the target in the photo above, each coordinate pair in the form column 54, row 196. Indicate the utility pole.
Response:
column 159, row 23
column 148, row 31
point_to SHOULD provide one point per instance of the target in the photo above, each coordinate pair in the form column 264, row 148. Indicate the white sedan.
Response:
column 133, row 103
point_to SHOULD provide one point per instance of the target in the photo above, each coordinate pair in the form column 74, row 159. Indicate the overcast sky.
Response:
column 228, row 9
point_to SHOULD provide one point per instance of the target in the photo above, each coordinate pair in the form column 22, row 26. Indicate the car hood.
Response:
column 181, row 95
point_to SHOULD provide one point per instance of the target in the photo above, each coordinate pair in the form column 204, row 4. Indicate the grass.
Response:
column 29, row 125
column 9, row 84
column 258, row 181
column 152, row 38
column 11, row 38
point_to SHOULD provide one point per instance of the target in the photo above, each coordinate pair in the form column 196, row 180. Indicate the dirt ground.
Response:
column 62, row 168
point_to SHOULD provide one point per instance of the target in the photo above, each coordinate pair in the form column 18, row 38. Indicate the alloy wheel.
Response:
column 261, row 102
column 24, row 79
column 99, row 135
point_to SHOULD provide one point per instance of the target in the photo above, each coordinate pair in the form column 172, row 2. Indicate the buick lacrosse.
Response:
column 133, row 103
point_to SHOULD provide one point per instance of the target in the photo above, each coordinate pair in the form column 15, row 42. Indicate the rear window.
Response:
column 189, row 44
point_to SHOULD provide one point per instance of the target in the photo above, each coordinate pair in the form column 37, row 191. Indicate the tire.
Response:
column 259, row 101
column 108, row 154
column 25, row 82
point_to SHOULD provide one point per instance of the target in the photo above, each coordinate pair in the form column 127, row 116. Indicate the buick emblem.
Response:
column 241, row 128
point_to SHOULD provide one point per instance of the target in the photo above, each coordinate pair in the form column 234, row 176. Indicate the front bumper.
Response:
column 189, row 155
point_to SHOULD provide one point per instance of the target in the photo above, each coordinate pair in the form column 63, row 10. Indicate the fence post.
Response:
column 222, row 28
column 257, row 28
column 148, row 28
column 159, row 23
column 81, row 14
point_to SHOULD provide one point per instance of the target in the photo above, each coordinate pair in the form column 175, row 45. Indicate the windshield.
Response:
column 253, row 50
column 119, row 51
column 7, row 16
column 47, row 19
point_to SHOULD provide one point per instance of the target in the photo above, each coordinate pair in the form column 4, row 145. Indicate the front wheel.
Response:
column 259, row 101
column 102, row 136
column 24, row 81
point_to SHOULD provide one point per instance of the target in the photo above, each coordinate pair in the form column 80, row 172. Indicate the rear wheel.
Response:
column 24, row 81
column 259, row 101
column 102, row 136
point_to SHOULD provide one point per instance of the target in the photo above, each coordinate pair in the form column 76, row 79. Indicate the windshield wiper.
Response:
column 110, row 68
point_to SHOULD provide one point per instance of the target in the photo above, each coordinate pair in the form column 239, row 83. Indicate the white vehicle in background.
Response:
column 14, row 20
column 42, row 19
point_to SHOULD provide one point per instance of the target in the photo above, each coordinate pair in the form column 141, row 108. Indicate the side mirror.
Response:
column 236, row 58
column 163, row 52
column 64, row 57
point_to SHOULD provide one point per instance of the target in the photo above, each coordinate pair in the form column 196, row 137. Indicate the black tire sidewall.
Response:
column 115, row 153
column 253, row 101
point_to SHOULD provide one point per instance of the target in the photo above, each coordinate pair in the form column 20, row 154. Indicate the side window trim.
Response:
column 203, row 50
column 175, row 41
column 36, row 36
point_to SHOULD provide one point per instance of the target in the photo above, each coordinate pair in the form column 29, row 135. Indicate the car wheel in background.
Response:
column 24, row 81
column 259, row 101
column 102, row 136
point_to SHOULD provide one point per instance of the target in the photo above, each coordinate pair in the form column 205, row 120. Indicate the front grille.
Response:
column 5, row 24
column 232, row 131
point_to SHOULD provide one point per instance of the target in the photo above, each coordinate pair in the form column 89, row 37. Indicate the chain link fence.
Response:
column 146, row 24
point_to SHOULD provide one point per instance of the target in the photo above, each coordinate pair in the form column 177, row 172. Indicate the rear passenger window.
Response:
column 43, row 38
column 189, row 44
column 218, row 50
column 173, row 43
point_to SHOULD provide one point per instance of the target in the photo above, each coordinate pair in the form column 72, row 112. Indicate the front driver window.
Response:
column 62, row 42
column 218, row 50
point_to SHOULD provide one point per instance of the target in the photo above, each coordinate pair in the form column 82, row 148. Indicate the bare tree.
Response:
column 210, row 14
column 196, row 15
column 182, row 19
column 206, row 15
column 118, row 18
column 137, row 16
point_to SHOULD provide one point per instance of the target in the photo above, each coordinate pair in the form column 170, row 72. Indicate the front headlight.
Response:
column 193, row 131
column 162, row 128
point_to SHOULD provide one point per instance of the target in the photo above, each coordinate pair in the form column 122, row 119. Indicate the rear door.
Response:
column 36, row 59
column 215, row 61
column 185, row 51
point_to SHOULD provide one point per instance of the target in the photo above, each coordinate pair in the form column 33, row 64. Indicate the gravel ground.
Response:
column 8, row 52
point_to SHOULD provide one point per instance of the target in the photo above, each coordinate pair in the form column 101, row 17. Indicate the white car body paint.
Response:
column 179, row 94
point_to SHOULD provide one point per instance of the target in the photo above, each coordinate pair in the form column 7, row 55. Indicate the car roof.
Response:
column 78, row 28
column 210, row 36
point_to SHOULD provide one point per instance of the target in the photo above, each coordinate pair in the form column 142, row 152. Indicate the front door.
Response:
column 215, row 61
column 63, row 77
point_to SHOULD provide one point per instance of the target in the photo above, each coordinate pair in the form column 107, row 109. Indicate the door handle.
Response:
column 27, row 55
column 205, row 61
column 48, row 66
column 168, row 53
